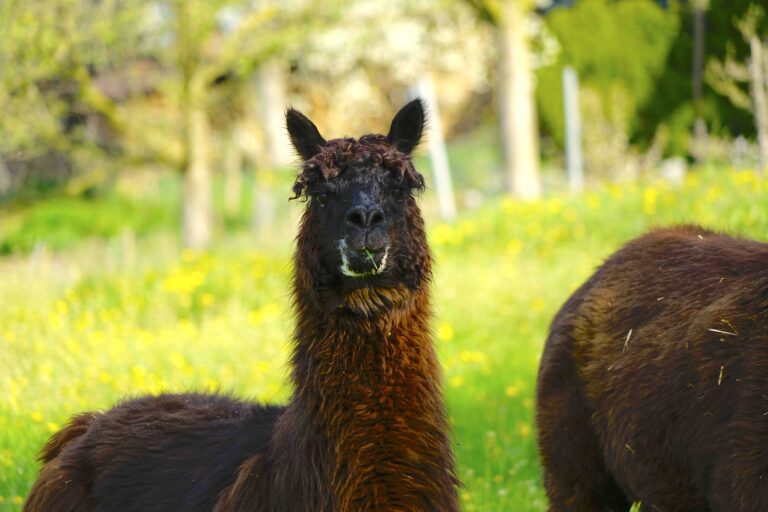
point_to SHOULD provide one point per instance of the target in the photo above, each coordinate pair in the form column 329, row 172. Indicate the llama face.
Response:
column 362, row 208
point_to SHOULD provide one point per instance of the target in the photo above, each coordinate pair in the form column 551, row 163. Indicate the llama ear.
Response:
column 407, row 127
column 304, row 134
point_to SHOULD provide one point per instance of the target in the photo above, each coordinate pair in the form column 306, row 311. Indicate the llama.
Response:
column 365, row 428
column 653, row 385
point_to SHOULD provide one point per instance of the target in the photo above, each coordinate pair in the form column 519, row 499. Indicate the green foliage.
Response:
column 672, row 102
column 638, row 58
column 618, row 49
column 63, row 221
column 221, row 321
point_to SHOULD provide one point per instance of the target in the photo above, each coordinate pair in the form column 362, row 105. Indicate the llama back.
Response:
column 657, row 365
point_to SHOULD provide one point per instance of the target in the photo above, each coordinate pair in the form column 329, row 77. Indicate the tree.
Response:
column 731, row 77
column 53, row 110
column 62, row 49
column 517, row 111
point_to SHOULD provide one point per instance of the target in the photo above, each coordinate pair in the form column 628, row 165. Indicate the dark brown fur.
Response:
column 365, row 429
column 653, row 384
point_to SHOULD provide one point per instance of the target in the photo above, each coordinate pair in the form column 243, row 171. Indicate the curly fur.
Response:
column 369, row 151
column 653, row 382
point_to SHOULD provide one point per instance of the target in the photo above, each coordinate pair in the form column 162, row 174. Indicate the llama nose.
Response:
column 365, row 218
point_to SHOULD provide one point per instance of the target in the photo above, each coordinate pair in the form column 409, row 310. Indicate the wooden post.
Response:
column 437, row 153
column 574, row 162
column 276, row 150
column 698, row 148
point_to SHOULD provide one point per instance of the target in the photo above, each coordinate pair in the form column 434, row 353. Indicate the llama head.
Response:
column 362, row 228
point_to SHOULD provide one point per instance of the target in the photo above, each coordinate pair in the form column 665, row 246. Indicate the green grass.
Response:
column 81, row 329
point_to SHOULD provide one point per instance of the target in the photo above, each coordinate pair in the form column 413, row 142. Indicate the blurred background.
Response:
column 145, row 227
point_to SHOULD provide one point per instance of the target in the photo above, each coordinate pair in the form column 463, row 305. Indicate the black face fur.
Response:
column 361, row 207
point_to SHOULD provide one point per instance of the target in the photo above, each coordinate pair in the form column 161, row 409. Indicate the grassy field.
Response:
column 80, row 329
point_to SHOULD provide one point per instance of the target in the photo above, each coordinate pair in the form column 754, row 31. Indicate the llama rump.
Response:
column 365, row 428
column 653, row 385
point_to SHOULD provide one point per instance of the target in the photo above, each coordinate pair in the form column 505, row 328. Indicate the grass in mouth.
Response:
column 373, row 262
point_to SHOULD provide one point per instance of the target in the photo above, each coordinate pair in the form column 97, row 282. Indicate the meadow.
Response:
column 81, row 328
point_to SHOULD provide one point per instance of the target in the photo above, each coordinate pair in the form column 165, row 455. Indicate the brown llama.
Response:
column 653, row 385
column 365, row 428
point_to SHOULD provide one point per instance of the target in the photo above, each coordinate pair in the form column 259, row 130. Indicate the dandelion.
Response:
column 472, row 357
column 533, row 229
column 538, row 304
column 183, row 281
column 650, row 195
column 745, row 177
column 514, row 247
column 442, row 235
column 61, row 307
column 555, row 205
column 206, row 299
column 269, row 311
column 508, row 206
column 512, row 391
column 445, row 332
column 456, row 381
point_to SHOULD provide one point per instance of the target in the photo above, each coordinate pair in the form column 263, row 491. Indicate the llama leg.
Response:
column 575, row 477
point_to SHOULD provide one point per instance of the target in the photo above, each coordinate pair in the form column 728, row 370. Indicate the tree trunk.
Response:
column 276, row 151
column 233, row 175
column 759, row 83
column 517, row 107
column 263, row 202
column 6, row 180
column 197, row 213
column 271, row 85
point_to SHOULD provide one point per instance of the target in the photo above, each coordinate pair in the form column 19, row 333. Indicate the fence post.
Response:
column 437, row 152
column 573, row 155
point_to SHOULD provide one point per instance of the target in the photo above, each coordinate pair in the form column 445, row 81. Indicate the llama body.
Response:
column 365, row 428
column 653, row 385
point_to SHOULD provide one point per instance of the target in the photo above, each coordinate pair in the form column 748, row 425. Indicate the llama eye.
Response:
column 322, row 199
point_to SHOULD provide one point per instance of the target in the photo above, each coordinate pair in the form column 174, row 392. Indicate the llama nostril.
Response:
column 357, row 217
column 375, row 217
column 365, row 218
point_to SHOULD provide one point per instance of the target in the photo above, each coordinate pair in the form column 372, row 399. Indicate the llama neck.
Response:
column 370, row 387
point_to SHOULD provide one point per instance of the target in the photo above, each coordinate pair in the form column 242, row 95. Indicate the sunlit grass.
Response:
column 71, row 341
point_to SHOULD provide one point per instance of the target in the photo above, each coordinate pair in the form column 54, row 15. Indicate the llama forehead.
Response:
column 358, row 159
column 363, row 179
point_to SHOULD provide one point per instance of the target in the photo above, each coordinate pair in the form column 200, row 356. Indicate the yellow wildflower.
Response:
column 445, row 332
